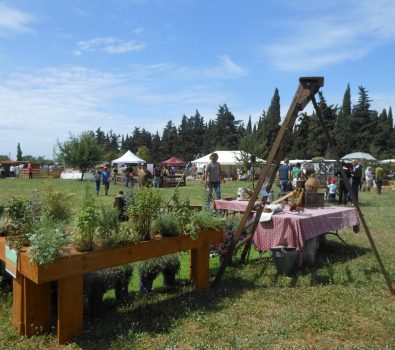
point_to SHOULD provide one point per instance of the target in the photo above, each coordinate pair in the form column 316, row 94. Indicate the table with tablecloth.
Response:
column 294, row 229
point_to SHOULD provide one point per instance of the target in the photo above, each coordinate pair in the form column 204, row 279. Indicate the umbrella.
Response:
column 359, row 156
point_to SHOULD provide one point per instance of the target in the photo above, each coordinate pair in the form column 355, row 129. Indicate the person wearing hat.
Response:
column 213, row 177
column 106, row 180
column 145, row 176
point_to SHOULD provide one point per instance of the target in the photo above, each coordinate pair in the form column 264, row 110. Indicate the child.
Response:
column 332, row 187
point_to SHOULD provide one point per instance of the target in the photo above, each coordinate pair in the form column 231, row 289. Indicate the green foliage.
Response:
column 56, row 204
column 149, row 267
column 81, row 152
column 108, row 227
column 19, row 156
column 201, row 221
column 48, row 241
column 180, row 208
column 170, row 262
column 16, row 222
column 167, row 225
column 143, row 206
column 86, row 222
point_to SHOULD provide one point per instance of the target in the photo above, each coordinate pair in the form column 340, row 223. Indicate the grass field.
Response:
column 340, row 303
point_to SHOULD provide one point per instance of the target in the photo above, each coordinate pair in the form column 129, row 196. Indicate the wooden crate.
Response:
column 313, row 200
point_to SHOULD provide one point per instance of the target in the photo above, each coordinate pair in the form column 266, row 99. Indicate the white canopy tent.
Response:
column 225, row 158
column 128, row 158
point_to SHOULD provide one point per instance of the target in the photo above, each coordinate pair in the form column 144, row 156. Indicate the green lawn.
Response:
column 340, row 303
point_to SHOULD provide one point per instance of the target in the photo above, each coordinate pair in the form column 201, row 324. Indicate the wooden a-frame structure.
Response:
column 308, row 87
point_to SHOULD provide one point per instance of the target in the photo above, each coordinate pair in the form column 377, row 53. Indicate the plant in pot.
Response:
column 148, row 271
column 170, row 266
column 86, row 224
column 167, row 225
column 48, row 241
column 108, row 227
column 143, row 206
column 202, row 221
column 17, row 222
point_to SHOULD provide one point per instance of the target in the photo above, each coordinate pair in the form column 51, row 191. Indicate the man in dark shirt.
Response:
column 284, row 175
column 356, row 176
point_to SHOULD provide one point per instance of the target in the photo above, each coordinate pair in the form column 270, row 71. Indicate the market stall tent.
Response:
column 230, row 159
column 174, row 161
column 128, row 158
column 359, row 156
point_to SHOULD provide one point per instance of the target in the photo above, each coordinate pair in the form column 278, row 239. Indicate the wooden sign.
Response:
column 313, row 200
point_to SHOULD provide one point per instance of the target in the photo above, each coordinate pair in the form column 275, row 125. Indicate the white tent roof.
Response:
column 224, row 158
column 128, row 158
column 358, row 156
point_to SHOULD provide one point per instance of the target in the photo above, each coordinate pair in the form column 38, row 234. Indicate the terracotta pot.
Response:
column 311, row 184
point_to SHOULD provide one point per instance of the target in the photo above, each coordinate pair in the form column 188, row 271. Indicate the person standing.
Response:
column 332, row 191
column 97, row 181
column 157, row 174
column 369, row 175
column 343, row 192
column 30, row 171
column 296, row 174
column 356, row 176
column 145, row 176
column 106, row 180
column 378, row 178
column 213, row 177
column 284, row 174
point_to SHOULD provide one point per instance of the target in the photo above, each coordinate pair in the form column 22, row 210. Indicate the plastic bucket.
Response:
column 284, row 258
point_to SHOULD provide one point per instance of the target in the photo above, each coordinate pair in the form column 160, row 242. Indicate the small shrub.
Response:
column 86, row 223
column 48, row 241
column 203, row 220
column 143, row 206
column 167, row 225
column 108, row 227
column 56, row 204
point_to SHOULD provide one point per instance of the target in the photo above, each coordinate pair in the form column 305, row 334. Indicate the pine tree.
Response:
column 342, row 128
column 19, row 155
column 227, row 134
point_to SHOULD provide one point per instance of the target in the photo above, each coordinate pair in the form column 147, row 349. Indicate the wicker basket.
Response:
column 311, row 184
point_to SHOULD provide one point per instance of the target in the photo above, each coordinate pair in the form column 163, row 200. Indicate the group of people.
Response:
column 15, row 170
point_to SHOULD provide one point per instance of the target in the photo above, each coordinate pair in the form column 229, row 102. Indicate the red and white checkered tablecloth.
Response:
column 292, row 229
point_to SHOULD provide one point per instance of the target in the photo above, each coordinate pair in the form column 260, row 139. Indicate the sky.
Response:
column 69, row 66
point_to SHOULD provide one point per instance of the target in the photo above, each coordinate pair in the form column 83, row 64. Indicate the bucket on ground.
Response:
column 284, row 258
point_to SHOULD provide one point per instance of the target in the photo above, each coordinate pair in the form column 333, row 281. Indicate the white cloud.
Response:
column 109, row 45
column 225, row 69
column 13, row 20
column 328, row 39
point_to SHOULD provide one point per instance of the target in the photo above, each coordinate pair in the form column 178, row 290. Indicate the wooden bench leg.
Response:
column 200, row 271
column 37, row 307
column 18, row 310
column 70, row 307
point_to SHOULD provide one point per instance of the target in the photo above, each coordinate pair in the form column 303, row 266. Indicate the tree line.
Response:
column 354, row 127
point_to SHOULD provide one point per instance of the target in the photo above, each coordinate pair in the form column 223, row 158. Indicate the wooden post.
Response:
column 37, row 307
column 70, row 307
column 18, row 310
column 200, row 266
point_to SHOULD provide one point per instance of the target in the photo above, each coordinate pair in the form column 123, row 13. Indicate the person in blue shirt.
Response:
column 284, row 175
column 106, row 180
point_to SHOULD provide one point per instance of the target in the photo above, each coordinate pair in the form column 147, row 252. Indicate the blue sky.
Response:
column 68, row 66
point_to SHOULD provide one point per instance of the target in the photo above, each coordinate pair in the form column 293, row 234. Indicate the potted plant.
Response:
column 17, row 222
column 148, row 271
column 143, row 206
column 167, row 225
column 170, row 266
column 48, row 241
column 86, row 224
column 203, row 220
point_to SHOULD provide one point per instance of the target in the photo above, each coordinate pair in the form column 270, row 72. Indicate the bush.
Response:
column 143, row 206
column 48, row 241
column 86, row 223
column 203, row 220
column 167, row 225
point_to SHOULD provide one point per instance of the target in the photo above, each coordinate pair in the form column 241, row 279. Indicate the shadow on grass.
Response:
column 155, row 313
column 328, row 255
